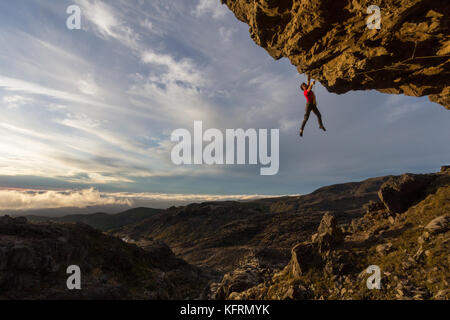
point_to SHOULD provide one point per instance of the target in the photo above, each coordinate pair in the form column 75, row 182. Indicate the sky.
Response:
column 87, row 115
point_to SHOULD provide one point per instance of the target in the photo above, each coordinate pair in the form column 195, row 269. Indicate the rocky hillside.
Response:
column 316, row 246
column 220, row 235
column 34, row 259
column 329, row 40
column 406, row 234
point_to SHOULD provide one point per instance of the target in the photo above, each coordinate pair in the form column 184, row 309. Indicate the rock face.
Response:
column 329, row 40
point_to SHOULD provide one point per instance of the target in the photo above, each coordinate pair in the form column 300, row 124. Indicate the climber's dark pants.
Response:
column 312, row 107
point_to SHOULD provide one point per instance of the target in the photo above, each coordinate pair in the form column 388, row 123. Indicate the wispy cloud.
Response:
column 212, row 8
column 88, row 86
column 107, row 23
column 15, row 101
column 183, row 70
column 226, row 33
column 18, row 85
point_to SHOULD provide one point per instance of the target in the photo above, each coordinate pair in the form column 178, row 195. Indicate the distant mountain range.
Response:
column 102, row 221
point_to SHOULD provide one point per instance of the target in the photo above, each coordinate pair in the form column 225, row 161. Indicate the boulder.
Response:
column 304, row 257
column 328, row 234
column 401, row 192
column 251, row 273
column 239, row 280
column 315, row 254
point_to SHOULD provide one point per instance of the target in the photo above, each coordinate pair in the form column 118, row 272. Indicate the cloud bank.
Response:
column 26, row 200
column 31, row 200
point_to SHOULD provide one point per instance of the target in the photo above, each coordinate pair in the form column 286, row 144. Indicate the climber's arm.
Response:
column 310, row 86
column 309, row 80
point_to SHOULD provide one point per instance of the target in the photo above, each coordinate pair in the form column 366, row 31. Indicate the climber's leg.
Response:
column 305, row 119
column 319, row 117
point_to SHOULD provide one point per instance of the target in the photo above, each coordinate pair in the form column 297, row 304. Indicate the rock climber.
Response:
column 311, row 105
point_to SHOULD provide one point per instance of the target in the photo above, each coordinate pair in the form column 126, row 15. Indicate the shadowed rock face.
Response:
column 34, row 259
column 329, row 40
